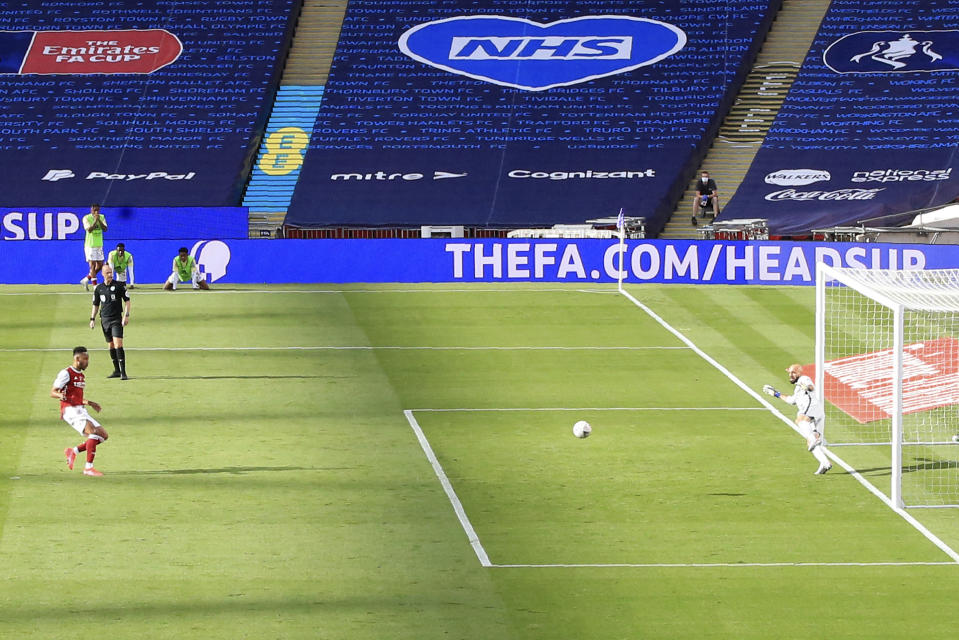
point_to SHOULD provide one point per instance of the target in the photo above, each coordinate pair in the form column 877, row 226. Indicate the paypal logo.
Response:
column 520, row 53
column 58, row 174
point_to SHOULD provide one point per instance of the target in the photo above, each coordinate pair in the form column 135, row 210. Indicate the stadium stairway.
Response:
column 290, row 126
column 744, row 128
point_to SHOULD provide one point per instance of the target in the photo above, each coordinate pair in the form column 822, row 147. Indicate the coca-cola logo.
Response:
column 797, row 177
column 838, row 194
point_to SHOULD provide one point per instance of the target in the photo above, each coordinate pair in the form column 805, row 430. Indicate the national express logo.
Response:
column 894, row 52
column 87, row 52
column 520, row 53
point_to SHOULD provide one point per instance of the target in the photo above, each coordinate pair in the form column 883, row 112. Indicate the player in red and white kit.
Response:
column 68, row 389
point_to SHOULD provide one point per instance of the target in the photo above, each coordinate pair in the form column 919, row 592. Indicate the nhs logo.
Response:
column 548, row 48
column 520, row 53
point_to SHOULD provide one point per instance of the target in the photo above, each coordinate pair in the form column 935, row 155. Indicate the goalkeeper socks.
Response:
column 113, row 356
column 120, row 361
column 821, row 457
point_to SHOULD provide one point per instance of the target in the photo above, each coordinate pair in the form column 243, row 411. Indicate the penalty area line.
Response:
column 448, row 488
column 708, row 565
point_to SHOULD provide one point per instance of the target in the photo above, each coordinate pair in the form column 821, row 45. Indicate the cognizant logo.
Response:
column 589, row 174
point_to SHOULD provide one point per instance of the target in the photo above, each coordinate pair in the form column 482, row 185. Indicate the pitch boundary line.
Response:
column 949, row 551
column 366, row 348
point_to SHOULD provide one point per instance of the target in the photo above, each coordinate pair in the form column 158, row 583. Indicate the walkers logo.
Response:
column 212, row 257
column 515, row 52
column 894, row 52
column 797, row 177
column 87, row 52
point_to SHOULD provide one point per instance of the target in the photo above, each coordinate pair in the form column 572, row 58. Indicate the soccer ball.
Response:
column 582, row 429
column 955, row 438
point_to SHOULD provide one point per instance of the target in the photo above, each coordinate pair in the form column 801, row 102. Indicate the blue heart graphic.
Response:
column 515, row 52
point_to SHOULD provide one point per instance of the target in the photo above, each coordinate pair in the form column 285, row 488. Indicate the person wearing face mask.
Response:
column 706, row 193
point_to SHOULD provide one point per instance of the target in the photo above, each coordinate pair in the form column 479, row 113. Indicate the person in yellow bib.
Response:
column 94, row 224
column 185, row 270
column 121, row 261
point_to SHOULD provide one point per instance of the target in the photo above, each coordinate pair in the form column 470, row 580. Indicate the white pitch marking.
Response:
column 364, row 348
column 949, row 551
column 448, row 488
column 466, row 410
column 724, row 565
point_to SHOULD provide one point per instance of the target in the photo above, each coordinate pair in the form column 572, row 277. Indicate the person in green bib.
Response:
column 122, row 262
column 185, row 270
column 94, row 224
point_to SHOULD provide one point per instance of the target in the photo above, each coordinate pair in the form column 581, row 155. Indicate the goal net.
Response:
column 887, row 367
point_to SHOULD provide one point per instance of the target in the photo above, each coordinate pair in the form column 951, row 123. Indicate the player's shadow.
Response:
column 212, row 470
column 921, row 464
column 875, row 471
column 262, row 377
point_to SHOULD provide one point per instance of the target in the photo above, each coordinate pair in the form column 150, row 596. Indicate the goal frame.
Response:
column 824, row 274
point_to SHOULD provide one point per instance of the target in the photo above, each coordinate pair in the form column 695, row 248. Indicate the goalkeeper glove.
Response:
column 770, row 390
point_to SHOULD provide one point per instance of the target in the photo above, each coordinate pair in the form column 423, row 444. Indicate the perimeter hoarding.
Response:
column 584, row 262
column 123, row 223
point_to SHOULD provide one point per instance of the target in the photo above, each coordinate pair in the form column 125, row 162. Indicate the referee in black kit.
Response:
column 109, row 297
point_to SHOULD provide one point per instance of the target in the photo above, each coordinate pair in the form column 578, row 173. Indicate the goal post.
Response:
column 887, row 373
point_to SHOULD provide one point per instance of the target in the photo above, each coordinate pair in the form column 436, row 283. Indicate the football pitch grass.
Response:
column 367, row 462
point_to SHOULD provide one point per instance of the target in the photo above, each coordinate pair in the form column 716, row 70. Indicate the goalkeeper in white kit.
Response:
column 809, row 413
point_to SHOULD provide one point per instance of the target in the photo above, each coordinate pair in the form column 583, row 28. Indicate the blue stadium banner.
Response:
column 586, row 262
column 146, row 103
column 124, row 223
column 515, row 114
column 868, row 132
